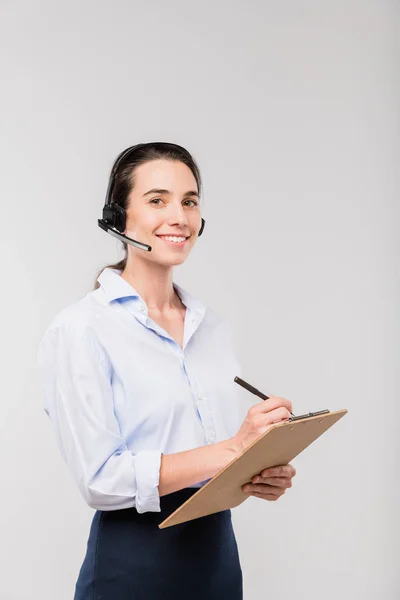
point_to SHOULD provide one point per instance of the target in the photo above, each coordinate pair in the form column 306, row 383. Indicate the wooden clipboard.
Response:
column 278, row 446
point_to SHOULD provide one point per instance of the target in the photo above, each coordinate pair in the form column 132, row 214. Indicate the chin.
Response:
column 170, row 261
column 174, row 262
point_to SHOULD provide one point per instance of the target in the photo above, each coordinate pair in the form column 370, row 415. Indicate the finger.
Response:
column 269, row 497
column 279, row 401
column 271, row 404
column 280, row 471
column 291, row 471
column 284, row 482
column 275, row 481
column 275, row 416
column 264, row 489
column 262, row 423
column 272, row 480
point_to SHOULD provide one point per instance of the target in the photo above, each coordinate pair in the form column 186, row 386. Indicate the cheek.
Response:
column 144, row 224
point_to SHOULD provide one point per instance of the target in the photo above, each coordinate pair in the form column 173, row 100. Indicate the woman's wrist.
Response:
column 184, row 469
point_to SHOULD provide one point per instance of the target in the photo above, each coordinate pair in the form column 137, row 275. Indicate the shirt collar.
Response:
column 115, row 288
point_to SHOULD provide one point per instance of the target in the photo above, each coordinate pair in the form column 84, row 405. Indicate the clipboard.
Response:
column 278, row 446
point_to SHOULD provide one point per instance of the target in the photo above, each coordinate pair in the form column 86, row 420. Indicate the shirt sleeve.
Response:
column 76, row 377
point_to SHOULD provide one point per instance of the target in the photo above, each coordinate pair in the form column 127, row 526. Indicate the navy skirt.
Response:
column 129, row 558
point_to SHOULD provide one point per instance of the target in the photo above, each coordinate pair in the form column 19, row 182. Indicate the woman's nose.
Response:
column 179, row 216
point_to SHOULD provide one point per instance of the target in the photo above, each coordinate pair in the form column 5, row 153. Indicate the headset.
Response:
column 114, row 216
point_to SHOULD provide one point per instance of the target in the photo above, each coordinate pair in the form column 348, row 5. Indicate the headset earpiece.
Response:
column 115, row 216
column 202, row 227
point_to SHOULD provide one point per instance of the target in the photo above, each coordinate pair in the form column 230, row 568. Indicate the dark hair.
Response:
column 125, row 178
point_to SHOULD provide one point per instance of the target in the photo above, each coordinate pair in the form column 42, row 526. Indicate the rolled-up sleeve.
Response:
column 78, row 398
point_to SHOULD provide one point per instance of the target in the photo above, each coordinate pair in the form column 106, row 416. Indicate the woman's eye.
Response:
column 155, row 200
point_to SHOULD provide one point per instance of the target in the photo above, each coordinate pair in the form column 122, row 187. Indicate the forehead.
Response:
column 168, row 174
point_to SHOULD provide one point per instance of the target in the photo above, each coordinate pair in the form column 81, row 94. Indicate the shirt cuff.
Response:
column 147, row 469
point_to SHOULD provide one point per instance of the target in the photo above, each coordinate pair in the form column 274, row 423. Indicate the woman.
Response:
column 138, row 380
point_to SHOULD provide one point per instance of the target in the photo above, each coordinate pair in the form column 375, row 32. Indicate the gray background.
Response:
column 292, row 111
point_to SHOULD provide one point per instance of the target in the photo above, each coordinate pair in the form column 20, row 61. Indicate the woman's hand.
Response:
column 260, row 418
column 271, row 483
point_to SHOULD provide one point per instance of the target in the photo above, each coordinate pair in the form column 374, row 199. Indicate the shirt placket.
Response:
column 192, row 321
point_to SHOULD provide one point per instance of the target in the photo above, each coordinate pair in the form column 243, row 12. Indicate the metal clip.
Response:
column 311, row 414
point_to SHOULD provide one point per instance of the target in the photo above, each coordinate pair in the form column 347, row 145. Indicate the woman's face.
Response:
column 174, row 211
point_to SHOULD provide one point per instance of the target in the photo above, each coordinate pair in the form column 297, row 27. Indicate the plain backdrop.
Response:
column 292, row 111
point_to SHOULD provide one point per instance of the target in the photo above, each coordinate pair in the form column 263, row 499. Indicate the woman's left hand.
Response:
column 271, row 483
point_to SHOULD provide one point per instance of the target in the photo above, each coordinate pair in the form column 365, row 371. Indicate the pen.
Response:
column 253, row 390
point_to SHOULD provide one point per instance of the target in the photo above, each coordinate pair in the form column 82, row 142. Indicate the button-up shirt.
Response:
column 120, row 391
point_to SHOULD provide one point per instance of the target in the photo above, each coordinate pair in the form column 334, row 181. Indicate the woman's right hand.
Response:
column 260, row 418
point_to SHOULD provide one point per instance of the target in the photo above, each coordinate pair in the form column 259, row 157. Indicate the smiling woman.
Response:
column 139, row 387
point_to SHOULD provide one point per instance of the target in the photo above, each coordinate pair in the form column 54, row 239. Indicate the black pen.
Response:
column 253, row 390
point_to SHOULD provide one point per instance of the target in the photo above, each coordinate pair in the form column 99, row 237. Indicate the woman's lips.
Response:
column 176, row 244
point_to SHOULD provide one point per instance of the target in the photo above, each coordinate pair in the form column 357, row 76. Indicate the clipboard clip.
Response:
column 306, row 416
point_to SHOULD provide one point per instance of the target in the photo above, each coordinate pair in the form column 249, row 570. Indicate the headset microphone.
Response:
column 113, row 222
column 114, row 216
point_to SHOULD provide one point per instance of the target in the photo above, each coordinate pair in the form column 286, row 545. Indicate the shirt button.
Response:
column 142, row 308
column 200, row 396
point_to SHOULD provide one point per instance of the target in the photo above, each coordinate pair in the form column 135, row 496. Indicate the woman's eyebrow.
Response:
column 162, row 191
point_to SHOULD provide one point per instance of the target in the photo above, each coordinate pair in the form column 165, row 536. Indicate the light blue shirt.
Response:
column 120, row 391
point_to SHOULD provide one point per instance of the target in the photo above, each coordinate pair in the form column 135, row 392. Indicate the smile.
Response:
column 176, row 240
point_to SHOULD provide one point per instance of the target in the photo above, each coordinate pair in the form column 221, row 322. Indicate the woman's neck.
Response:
column 154, row 284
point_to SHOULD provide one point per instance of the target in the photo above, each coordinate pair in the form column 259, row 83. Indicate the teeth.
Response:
column 173, row 239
